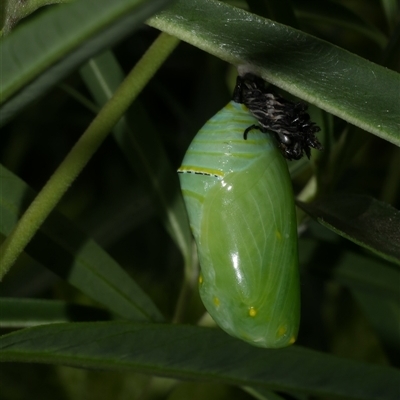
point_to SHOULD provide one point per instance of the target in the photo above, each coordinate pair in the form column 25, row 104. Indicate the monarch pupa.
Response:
column 240, row 203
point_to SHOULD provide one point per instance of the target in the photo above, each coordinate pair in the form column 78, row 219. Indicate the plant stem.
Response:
column 83, row 150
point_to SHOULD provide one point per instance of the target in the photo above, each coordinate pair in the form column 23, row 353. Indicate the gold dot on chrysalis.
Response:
column 282, row 330
column 252, row 312
column 278, row 235
column 216, row 301
column 292, row 340
column 200, row 279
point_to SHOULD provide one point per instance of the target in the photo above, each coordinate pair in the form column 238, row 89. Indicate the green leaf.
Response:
column 16, row 10
column 361, row 219
column 348, row 86
column 42, row 52
column 79, row 260
column 188, row 352
column 376, row 288
column 143, row 152
column 21, row 313
column 331, row 13
column 391, row 9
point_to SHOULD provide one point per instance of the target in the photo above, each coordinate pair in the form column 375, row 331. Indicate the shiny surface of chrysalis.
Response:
column 239, row 199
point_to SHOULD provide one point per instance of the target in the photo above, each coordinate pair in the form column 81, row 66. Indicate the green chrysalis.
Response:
column 240, row 203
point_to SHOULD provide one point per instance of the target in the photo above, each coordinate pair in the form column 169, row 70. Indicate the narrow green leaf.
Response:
column 65, row 250
column 332, row 13
column 361, row 219
column 42, row 52
column 187, row 352
column 16, row 10
column 144, row 153
column 356, row 90
column 392, row 51
column 21, row 313
column 376, row 287
column 369, row 275
column 391, row 9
